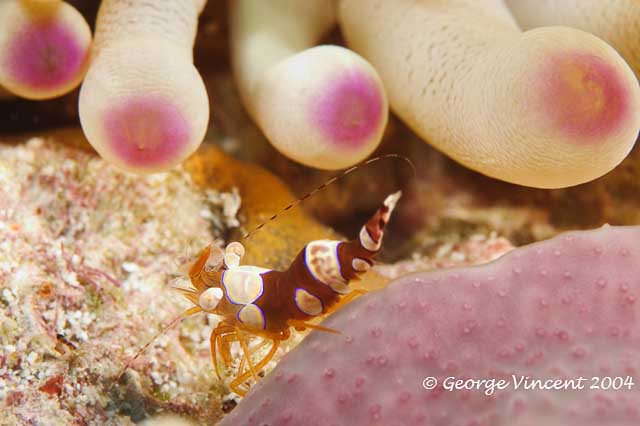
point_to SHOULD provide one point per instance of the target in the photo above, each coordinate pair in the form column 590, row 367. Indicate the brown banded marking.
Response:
column 367, row 241
column 371, row 233
column 322, row 262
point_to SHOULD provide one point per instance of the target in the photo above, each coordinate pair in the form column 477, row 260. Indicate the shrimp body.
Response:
column 267, row 303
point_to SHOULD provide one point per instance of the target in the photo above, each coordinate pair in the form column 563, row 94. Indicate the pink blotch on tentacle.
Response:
column 584, row 96
column 45, row 55
column 146, row 131
column 350, row 110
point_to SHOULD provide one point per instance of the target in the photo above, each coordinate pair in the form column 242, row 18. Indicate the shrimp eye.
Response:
column 210, row 298
column 233, row 254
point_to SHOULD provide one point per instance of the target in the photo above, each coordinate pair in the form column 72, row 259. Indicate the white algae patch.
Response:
column 86, row 257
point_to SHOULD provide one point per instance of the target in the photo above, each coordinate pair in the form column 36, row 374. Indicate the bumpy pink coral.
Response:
column 561, row 309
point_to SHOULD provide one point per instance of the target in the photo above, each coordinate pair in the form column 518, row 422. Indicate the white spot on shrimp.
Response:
column 243, row 284
column 307, row 302
column 360, row 265
column 321, row 258
column 367, row 242
column 210, row 298
column 252, row 316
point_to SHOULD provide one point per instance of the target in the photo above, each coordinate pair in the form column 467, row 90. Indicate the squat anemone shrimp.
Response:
column 258, row 302
column 267, row 303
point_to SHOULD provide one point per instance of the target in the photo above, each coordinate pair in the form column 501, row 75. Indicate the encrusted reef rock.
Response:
column 87, row 257
column 85, row 261
column 556, row 310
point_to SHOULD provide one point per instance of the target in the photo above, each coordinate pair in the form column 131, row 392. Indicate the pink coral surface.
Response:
column 563, row 309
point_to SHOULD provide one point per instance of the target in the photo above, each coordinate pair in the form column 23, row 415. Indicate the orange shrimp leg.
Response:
column 245, row 350
column 238, row 381
column 353, row 294
column 215, row 341
column 302, row 325
column 252, row 351
column 242, row 377
column 225, row 348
